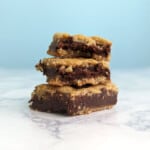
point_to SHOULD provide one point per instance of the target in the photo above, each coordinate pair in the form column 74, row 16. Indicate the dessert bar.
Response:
column 73, row 101
column 72, row 46
column 77, row 72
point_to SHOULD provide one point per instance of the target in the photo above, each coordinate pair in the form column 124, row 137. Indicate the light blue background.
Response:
column 26, row 28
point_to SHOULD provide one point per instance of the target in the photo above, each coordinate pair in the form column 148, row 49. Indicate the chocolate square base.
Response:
column 72, row 101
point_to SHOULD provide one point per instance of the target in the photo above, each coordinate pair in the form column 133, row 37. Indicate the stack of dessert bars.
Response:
column 78, row 76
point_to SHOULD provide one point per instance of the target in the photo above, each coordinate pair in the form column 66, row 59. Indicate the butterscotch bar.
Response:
column 73, row 101
column 72, row 46
column 76, row 72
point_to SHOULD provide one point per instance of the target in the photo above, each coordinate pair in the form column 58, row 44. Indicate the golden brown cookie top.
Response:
column 93, row 40
column 53, row 62
column 41, row 89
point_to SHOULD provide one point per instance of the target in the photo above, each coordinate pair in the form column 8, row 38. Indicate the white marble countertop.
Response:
column 126, row 126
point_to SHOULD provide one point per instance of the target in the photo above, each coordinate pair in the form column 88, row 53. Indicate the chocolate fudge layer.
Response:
column 72, row 46
column 73, row 71
column 73, row 101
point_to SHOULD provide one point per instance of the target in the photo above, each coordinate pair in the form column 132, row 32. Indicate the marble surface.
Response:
column 126, row 126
